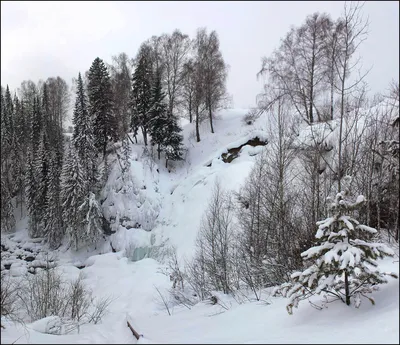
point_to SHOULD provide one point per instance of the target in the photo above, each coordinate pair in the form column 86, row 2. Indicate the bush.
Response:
column 47, row 294
column 9, row 290
column 252, row 115
column 43, row 294
column 211, row 268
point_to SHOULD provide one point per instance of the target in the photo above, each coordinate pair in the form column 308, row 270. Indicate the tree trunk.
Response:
column 332, row 91
column 339, row 168
column 346, row 287
column 197, row 125
column 144, row 132
column 312, row 94
column 211, row 120
column 190, row 111
column 397, row 221
column 159, row 152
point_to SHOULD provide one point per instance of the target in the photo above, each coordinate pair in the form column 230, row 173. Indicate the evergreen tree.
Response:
column 7, row 140
column 4, row 137
column 20, row 149
column 7, row 222
column 31, row 190
column 83, row 137
column 173, row 143
column 343, row 261
column 41, row 171
column 134, row 125
column 9, row 112
column 126, row 151
column 141, row 91
column 73, row 191
column 54, row 223
column 92, row 218
column 100, row 105
column 36, row 170
column 36, row 124
column 158, row 122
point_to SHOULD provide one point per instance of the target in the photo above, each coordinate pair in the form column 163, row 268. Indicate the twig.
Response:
column 315, row 306
column 163, row 300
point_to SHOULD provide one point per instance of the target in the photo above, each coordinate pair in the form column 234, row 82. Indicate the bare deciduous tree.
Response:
column 175, row 49
column 120, row 73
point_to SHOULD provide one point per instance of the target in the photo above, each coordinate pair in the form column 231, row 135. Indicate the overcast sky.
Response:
column 43, row 39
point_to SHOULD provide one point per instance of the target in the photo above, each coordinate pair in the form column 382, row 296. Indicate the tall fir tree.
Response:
column 101, row 105
column 7, row 220
column 126, row 151
column 36, row 165
column 37, row 124
column 73, row 192
column 141, row 94
column 83, row 136
column 9, row 115
column 343, row 263
column 31, row 190
column 173, row 144
column 54, row 228
column 41, row 171
column 20, row 147
column 158, row 121
column 8, row 140
column 92, row 219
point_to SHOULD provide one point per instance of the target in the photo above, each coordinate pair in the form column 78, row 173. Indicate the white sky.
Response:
column 43, row 39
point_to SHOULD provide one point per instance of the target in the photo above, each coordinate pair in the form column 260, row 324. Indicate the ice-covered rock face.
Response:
column 132, row 199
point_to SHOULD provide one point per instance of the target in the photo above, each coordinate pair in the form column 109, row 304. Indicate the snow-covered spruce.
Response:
column 343, row 261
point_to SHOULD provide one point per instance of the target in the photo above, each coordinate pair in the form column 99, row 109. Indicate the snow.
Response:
column 156, row 209
column 132, row 286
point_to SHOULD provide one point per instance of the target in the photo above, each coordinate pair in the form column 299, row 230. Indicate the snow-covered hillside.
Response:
column 155, row 209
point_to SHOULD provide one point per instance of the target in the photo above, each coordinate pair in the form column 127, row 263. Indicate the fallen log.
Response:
column 136, row 334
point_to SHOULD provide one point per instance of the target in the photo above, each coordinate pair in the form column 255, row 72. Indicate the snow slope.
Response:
column 135, row 299
column 171, row 203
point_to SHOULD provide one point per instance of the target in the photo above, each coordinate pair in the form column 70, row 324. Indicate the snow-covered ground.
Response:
column 171, row 203
column 132, row 286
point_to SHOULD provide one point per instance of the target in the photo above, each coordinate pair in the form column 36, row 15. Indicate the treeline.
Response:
column 58, row 179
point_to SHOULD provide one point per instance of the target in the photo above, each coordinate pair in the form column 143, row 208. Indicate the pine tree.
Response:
column 141, row 101
column 343, row 261
column 83, row 136
column 4, row 138
column 36, row 124
column 92, row 217
column 54, row 223
column 7, row 140
column 41, row 171
column 73, row 191
column 7, row 220
column 100, row 105
column 9, row 112
column 158, row 122
column 20, row 150
column 7, row 210
column 36, row 166
column 173, row 143
column 126, row 151
column 31, row 190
